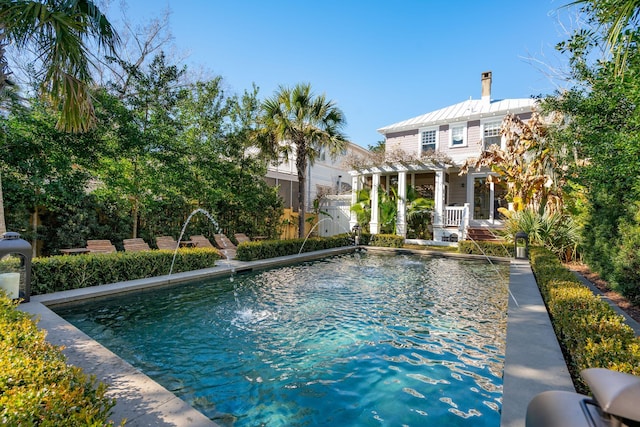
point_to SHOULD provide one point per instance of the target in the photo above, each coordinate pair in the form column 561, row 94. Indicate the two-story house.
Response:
column 454, row 133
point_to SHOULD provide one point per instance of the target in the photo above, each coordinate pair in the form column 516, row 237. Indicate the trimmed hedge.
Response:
column 37, row 387
column 251, row 251
column 63, row 272
column 590, row 332
column 486, row 248
column 386, row 240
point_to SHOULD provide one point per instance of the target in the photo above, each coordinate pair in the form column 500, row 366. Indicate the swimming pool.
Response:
column 350, row 340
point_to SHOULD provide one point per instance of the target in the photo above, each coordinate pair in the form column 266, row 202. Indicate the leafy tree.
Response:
column 296, row 121
column 142, row 132
column 46, row 172
column 59, row 31
column 600, row 130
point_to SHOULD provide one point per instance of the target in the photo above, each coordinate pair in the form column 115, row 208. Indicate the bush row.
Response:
column 486, row 248
column 590, row 332
column 63, row 272
column 37, row 387
column 386, row 240
column 251, row 251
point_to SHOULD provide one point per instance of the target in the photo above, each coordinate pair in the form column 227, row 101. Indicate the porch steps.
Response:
column 483, row 234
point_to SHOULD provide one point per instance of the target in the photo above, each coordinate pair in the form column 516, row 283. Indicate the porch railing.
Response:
column 453, row 216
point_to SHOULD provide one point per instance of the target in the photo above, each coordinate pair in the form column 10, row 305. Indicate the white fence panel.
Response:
column 336, row 223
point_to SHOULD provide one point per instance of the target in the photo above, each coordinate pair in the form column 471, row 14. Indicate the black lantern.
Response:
column 357, row 233
column 15, row 266
column 521, row 245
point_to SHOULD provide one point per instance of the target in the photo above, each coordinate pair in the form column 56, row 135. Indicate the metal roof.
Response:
column 472, row 109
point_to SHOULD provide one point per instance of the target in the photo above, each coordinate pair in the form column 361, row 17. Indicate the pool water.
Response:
column 353, row 340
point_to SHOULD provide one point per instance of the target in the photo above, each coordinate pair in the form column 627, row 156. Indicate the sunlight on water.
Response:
column 354, row 340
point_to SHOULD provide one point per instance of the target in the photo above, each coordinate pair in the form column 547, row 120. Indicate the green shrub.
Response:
column 626, row 269
column 386, row 240
column 590, row 332
column 251, row 251
column 37, row 387
column 555, row 231
column 486, row 248
column 59, row 273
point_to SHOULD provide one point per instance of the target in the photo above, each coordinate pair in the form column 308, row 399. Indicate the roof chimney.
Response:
column 486, row 86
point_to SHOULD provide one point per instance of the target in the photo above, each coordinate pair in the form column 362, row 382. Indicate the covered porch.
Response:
column 460, row 202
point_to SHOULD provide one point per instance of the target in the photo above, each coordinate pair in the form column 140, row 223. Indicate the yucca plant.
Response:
column 553, row 230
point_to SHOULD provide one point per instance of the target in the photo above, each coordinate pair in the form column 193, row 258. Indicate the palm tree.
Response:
column 58, row 31
column 295, row 121
column 619, row 15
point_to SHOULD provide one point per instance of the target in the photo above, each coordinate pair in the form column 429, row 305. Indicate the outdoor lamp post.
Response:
column 521, row 244
column 15, row 266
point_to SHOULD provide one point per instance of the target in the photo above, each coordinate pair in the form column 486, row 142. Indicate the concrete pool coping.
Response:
column 533, row 361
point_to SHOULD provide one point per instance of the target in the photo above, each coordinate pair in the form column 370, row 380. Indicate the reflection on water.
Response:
column 349, row 341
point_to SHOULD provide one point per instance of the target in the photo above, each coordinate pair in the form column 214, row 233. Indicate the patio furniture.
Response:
column 227, row 248
column 166, row 243
column 241, row 238
column 100, row 246
column 201, row 242
column 135, row 245
column 74, row 251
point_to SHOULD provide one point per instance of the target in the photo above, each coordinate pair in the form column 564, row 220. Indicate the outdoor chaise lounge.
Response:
column 201, row 242
column 241, row 238
column 227, row 248
column 166, row 242
column 135, row 245
column 100, row 246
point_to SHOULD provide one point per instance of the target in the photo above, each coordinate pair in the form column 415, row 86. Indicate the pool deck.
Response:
column 533, row 361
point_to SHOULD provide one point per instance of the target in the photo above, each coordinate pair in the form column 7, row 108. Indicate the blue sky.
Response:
column 380, row 61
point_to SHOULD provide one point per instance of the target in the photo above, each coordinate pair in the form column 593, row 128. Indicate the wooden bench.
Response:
column 201, row 242
column 241, row 238
column 166, row 243
column 135, row 245
column 226, row 246
column 100, row 246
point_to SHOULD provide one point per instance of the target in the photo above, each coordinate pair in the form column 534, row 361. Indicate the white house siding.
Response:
column 407, row 141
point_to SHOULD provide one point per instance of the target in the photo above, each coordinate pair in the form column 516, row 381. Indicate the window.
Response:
column 429, row 139
column 458, row 135
column 491, row 134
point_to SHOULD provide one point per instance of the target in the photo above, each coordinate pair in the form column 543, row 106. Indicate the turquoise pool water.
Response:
column 354, row 340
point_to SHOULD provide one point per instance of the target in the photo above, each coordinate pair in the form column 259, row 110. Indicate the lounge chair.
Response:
column 135, row 245
column 241, row 238
column 100, row 246
column 166, row 242
column 201, row 242
column 227, row 248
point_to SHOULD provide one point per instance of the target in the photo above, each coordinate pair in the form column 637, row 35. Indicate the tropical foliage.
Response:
column 554, row 230
column 527, row 163
column 419, row 210
column 59, row 32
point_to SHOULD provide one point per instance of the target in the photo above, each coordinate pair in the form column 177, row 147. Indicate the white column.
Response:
column 438, row 196
column 353, row 218
column 401, row 222
column 373, row 225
